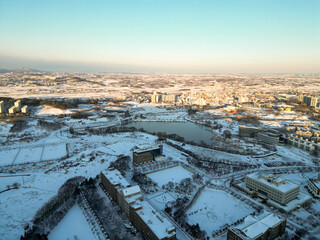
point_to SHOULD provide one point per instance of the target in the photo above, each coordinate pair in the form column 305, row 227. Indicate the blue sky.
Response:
column 161, row 36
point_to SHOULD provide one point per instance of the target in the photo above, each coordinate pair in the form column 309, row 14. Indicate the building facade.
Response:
column 141, row 155
column 314, row 186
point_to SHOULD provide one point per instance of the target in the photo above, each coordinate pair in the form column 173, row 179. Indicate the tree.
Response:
column 226, row 134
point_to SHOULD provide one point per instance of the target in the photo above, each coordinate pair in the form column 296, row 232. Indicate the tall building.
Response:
column 273, row 187
column 12, row 110
column 24, row 109
column 1, row 107
column 314, row 102
column 17, row 104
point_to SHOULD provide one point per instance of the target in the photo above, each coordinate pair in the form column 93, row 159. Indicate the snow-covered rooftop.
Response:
column 141, row 149
column 131, row 191
column 160, row 226
column 260, row 225
column 115, row 177
column 274, row 181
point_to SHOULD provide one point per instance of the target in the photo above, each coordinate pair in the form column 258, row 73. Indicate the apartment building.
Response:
column 129, row 196
column 265, row 227
column 12, row 110
column 268, row 137
column 314, row 186
column 142, row 215
column 273, row 187
column 24, row 109
column 150, row 223
column 114, row 182
column 17, row 104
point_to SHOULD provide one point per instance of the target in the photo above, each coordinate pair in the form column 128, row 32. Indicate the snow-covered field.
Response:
column 174, row 174
column 72, row 225
column 214, row 208
column 28, row 155
column 8, row 180
column 7, row 157
column 53, row 152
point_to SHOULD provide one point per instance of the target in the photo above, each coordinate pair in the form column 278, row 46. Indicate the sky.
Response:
column 191, row 36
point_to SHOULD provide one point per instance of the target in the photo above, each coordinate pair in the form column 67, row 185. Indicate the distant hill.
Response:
column 20, row 70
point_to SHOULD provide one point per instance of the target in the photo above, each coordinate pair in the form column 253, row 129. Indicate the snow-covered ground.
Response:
column 214, row 208
column 7, row 180
column 28, row 155
column 173, row 174
column 53, row 152
column 71, row 226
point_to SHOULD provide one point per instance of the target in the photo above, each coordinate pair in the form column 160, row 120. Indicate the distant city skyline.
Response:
column 161, row 36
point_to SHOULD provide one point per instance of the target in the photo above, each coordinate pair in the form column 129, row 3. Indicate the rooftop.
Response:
column 255, row 226
column 146, row 148
column 159, row 225
column 115, row 177
column 274, row 181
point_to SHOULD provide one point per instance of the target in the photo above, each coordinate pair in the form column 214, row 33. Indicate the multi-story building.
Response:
column 264, row 227
column 142, row 215
column 128, row 196
column 2, row 107
column 170, row 98
column 150, row 223
column 268, row 137
column 12, row 110
column 17, row 104
column 246, row 131
column 262, row 134
column 141, row 155
column 156, row 98
column 24, row 109
column 314, row 186
column 113, row 181
column 273, row 187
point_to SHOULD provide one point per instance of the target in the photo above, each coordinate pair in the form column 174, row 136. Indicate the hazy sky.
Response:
column 162, row 36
